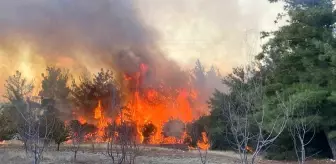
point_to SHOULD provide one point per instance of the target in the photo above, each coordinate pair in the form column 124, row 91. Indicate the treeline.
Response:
column 46, row 119
column 52, row 116
column 284, row 104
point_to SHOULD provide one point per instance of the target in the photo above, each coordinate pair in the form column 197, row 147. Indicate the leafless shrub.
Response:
column 248, row 121
column 301, row 125
column 77, row 133
column 35, row 127
column 300, row 131
column 122, row 144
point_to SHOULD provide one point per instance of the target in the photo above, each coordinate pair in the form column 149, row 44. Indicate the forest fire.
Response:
column 204, row 142
column 153, row 111
column 102, row 122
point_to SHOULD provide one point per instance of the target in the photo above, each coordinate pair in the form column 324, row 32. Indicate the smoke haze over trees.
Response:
column 90, row 35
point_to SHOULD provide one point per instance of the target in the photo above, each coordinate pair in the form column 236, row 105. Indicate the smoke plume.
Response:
column 79, row 34
column 121, row 34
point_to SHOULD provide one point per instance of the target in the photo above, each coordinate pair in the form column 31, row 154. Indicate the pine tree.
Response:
column 55, row 90
column 301, row 63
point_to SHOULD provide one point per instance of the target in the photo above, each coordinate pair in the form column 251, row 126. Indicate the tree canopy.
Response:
column 297, row 67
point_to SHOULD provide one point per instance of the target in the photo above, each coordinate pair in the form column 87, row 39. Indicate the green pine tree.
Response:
column 300, row 58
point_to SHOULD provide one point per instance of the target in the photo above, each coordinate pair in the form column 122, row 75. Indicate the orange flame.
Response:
column 204, row 143
column 98, row 111
column 152, row 105
column 249, row 149
column 82, row 120
column 102, row 122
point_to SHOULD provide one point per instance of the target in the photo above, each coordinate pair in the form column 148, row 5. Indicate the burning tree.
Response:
column 105, row 97
column 148, row 131
column 96, row 100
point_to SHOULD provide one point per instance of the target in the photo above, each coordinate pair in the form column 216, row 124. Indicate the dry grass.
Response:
column 13, row 153
column 18, row 156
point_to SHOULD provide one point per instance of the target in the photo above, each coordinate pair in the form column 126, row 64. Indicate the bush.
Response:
column 286, row 155
column 7, row 127
column 148, row 131
column 195, row 130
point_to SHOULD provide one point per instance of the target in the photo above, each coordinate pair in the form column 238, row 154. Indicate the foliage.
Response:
column 35, row 125
column 244, row 118
column 55, row 89
column 17, row 87
column 7, row 128
column 77, row 134
column 60, row 133
column 86, row 93
column 300, row 62
column 195, row 129
column 77, row 130
column 54, row 84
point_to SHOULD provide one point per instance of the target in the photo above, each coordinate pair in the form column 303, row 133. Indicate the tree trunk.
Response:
column 332, row 145
column 58, row 146
column 25, row 146
column 36, row 155
column 303, row 151
column 75, row 156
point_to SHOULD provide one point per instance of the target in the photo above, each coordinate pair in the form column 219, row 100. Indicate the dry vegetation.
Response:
column 13, row 153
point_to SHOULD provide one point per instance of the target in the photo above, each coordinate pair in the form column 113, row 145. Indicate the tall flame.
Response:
column 102, row 122
column 155, row 106
column 203, row 144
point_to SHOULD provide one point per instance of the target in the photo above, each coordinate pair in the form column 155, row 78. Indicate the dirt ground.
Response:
column 15, row 154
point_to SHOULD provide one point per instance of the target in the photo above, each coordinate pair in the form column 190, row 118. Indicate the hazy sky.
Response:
column 72, row 35
column 213, row 30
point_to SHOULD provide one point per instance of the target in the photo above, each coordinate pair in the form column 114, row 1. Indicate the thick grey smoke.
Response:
column 86, row 33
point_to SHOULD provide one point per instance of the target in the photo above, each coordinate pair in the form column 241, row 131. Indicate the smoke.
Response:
column 121, row 34
column 79, row 34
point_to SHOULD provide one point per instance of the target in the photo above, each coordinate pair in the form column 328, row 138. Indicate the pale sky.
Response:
column 214, row 31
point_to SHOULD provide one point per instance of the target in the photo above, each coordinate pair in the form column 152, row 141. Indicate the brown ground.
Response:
column 14, row 154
